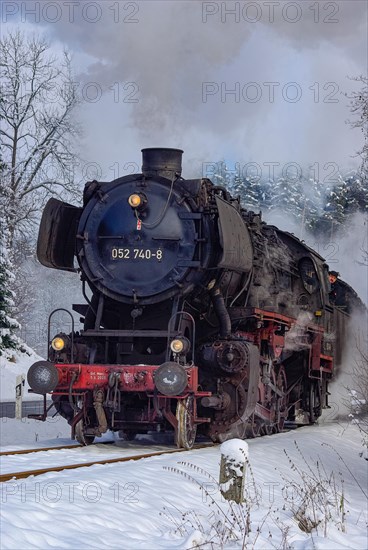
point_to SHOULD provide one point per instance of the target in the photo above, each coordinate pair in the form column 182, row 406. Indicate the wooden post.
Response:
column 234, row 455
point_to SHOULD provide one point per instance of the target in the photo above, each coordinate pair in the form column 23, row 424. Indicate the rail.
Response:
column 38, row 472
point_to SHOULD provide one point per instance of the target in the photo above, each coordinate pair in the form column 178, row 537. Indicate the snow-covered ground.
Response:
column 149, row 504
column 162, row 503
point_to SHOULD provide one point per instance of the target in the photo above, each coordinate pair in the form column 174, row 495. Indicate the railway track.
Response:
column 39, row 449
column 56, row 448
column 36, row 472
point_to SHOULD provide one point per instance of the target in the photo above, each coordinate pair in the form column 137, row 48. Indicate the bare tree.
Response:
column 359, row 109
column 37, row 128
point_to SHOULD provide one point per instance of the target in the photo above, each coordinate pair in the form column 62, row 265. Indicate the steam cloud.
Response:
column 175, row 47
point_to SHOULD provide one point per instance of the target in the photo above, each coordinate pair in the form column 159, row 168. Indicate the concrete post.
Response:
column 19, row 384
column 234, row 455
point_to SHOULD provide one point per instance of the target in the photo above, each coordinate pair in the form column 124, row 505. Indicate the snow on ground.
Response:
column 158, row 503
column 27, row 433
column 149, row 505
column 11, row 365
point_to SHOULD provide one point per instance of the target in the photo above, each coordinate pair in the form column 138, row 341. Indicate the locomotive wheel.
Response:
column 314, row 402
column 187, row 429
column 253, row 428
column 268, row 429
column 81, row 436
column 223, row 420
column 282, row 402
column 270, row 403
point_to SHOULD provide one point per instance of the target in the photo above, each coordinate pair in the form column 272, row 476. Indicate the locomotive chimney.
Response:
column 160, row 161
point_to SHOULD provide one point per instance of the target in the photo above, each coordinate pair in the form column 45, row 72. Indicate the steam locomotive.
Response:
column 199, row 317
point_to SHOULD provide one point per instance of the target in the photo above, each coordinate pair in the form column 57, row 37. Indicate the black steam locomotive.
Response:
column 199, row 316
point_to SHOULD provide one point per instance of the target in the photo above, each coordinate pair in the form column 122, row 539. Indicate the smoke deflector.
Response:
column 56, row 236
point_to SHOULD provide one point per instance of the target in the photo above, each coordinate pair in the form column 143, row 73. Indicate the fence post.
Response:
column 234, row 456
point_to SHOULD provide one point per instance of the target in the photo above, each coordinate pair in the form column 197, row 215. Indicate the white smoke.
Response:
column 296, row 338
column 350, row 382
column 350, row 258
column 169, row 50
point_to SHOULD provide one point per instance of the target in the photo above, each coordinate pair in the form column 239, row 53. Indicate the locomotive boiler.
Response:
column 198, row 316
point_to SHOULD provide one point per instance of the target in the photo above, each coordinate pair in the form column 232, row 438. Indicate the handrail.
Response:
column 49, row 331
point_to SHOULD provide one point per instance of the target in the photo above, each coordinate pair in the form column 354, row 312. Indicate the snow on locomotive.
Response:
column 200, row 317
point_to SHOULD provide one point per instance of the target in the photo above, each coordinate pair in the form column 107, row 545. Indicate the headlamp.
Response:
column 177, row 346
column 138, row 201
column 180, row 345
column 135, row 200
column 58, row 343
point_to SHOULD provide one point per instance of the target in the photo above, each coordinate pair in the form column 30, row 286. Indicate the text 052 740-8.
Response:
column 136, row 254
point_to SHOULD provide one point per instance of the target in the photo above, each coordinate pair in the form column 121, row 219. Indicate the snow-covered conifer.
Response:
column 8, row 325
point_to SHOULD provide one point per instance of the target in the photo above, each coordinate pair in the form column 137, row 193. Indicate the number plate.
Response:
column 136, row 254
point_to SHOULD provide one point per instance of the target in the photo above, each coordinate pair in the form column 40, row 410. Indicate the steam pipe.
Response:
column 221, row 312
column 70, row 394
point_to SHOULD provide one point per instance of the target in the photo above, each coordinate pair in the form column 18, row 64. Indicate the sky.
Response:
column 247, row 82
